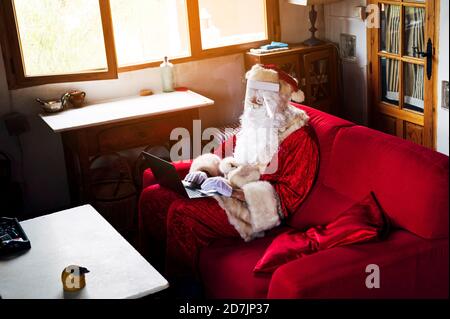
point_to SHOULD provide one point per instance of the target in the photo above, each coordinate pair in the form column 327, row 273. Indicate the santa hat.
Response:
column 272, row 74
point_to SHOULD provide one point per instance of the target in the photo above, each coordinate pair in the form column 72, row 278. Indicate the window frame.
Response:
column 12, row 53
column 195, row 38
column 9, row 39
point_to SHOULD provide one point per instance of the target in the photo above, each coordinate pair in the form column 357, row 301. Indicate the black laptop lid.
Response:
column 165, row 173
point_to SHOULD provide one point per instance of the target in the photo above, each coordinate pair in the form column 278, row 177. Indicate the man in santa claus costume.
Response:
column 267, row 178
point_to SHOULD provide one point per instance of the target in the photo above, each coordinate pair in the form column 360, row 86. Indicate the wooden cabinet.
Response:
column 315, row 68
column 81, row 145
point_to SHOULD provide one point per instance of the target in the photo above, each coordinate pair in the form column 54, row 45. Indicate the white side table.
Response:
column 78, row 236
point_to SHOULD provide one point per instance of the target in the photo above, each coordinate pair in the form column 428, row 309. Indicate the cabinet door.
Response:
column 319, row 80
column 287, row 63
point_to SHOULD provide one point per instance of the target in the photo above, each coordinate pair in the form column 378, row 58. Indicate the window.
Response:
column 60, row 37
column 219, row 30
column 146, row 31
column 50, row 41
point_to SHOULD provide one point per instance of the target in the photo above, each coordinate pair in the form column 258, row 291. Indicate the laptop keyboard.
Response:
column 194, row 194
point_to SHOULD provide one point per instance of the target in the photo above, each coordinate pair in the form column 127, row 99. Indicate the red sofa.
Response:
column 411, row 185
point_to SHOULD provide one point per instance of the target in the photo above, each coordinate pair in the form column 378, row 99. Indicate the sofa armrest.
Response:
column 148, row 179
column 409, row 267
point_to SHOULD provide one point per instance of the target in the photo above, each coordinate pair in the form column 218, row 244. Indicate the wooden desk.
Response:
column 118, row 125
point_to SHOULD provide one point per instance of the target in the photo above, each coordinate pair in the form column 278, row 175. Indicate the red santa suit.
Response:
column 188, row 225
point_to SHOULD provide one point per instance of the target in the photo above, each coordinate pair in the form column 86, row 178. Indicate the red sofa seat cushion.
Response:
column 410, row 181
column 226, row 268
column 410, row 267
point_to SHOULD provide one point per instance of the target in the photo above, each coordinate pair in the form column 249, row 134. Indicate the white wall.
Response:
column 340, row 18
column 442, row 114
column 221, row 79
column 295, row 22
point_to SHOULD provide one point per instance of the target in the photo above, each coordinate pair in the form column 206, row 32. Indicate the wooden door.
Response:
column 402, row 69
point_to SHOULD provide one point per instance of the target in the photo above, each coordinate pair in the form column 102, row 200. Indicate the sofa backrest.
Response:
column 411, row 182
column 326, row 127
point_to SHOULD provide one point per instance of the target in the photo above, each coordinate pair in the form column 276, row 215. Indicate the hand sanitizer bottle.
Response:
column 167, row 75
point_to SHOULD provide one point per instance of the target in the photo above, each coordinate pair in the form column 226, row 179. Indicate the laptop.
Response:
column 167, row 176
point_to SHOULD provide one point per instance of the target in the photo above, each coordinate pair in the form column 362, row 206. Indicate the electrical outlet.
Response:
column 348, row 47
column 445, row 95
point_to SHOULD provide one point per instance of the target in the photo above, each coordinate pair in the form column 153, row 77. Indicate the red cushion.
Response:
column 411, row 182
column 362, row 222
column 182, row 168
column 321, row 207
column 226, row 268
column 410, row 267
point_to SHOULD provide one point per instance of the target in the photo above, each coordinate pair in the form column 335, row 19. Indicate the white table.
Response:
column 119, row 110
column 79, row 236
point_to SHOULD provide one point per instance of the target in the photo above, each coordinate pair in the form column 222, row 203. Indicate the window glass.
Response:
column 232, row 22
column 146, row 31
column 60, row 37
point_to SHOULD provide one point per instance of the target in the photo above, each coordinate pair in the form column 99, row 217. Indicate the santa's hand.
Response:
column 219, row 185
column 196, row 178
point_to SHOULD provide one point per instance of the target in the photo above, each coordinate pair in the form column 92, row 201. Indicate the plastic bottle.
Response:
column 167, row 75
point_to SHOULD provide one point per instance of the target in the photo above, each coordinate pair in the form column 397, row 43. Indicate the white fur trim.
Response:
column 297, row 118
column 238, row 216
column 298, row 96
column 259, row 73
column 227, row 165
column 261, row 199
column 243, row 175
column 208, row 163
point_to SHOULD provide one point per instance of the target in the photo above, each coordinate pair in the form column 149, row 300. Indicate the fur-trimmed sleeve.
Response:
column 208, row 163
column 298, row 164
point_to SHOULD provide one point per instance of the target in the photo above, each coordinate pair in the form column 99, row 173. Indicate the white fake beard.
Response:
column 257, row 141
